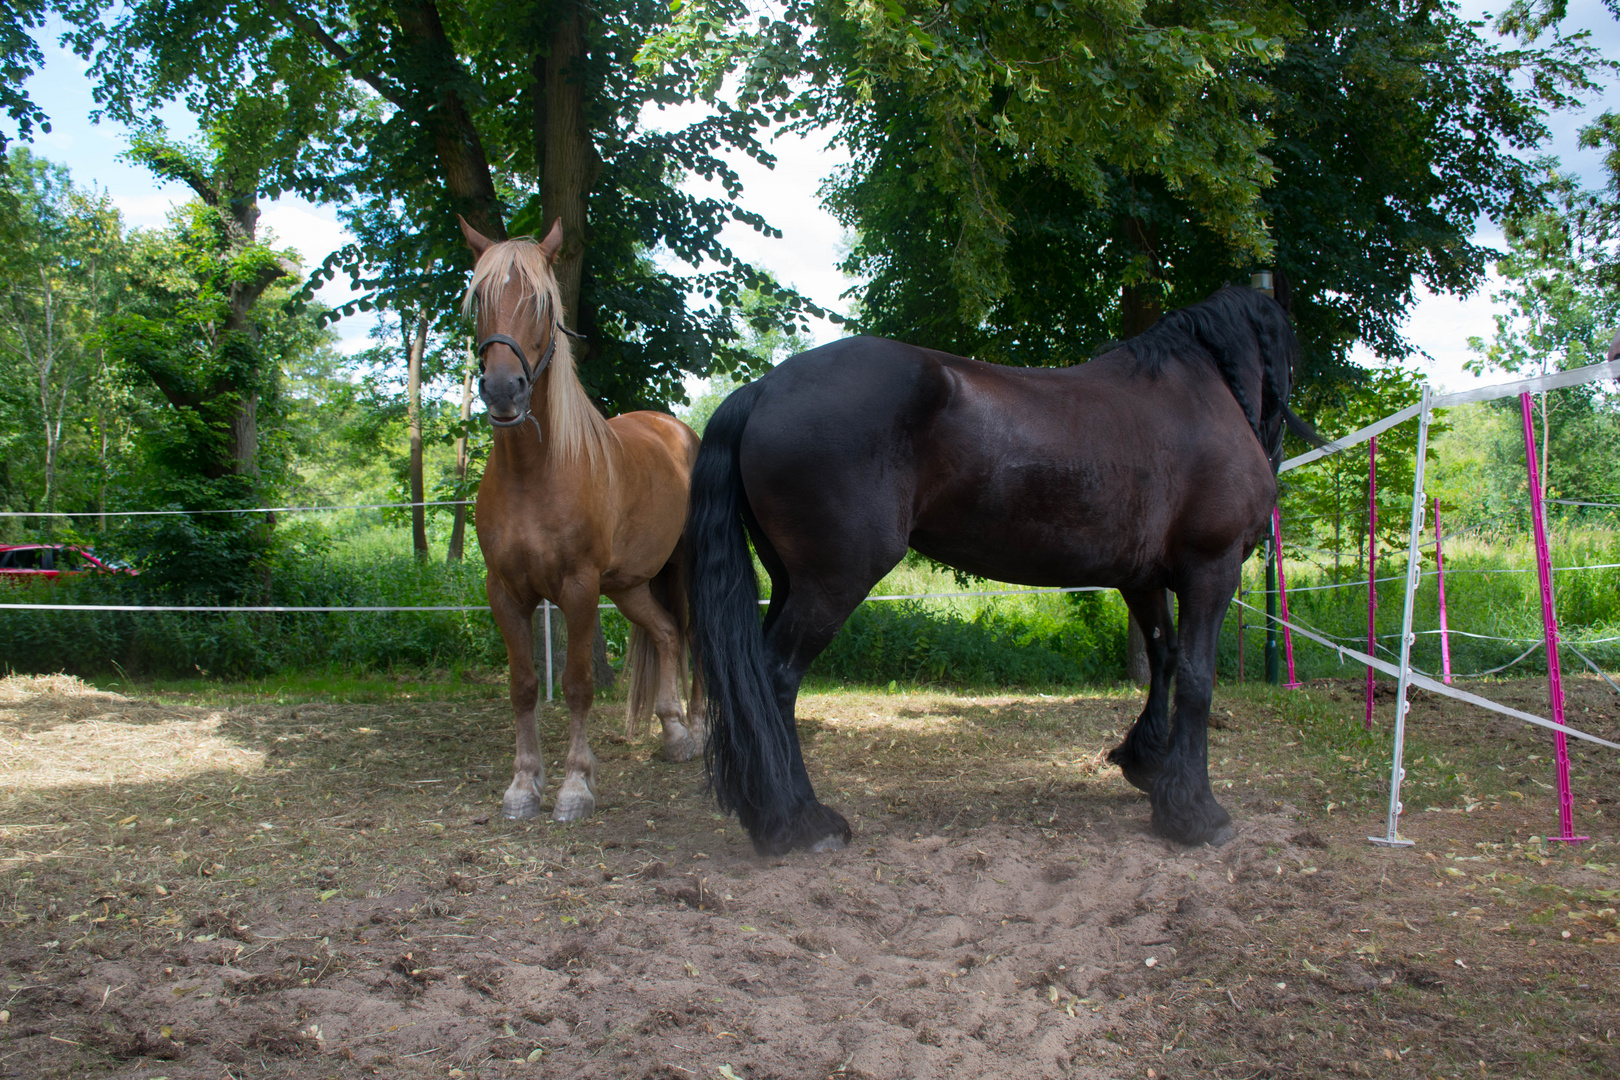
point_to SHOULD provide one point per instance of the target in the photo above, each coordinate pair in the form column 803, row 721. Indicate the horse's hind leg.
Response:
column 639, row 606
column 1142, row 751
column 576, row 798
column 1184, row 807
column 522, row 798
column 802, row 630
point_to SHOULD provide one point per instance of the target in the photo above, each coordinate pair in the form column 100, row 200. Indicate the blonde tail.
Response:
column 642, row 667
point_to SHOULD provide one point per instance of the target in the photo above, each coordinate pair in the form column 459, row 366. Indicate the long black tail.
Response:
column 749, row 754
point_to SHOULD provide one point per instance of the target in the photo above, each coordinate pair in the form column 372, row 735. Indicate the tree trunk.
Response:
column 417, row 345
column 245, row 437
column 570, row 161
column 602, row 673
column 44, row 367
column 1139, row 309
column 458, row 531
column 456, row 142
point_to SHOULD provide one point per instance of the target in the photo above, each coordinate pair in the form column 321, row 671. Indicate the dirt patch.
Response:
column 307, row 888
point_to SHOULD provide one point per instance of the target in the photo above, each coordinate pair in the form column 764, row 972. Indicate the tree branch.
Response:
column 298, row 21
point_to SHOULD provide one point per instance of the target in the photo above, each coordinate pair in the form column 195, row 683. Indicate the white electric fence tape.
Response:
column 247, row 510
column 274, row 608
column 1575, row 377
column 1432, row 685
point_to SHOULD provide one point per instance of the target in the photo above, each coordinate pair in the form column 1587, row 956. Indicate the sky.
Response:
column 806, row 256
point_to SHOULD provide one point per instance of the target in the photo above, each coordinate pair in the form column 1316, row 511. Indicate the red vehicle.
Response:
column 32, row 562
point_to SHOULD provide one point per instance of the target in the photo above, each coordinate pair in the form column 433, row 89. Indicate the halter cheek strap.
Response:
column 529, row 374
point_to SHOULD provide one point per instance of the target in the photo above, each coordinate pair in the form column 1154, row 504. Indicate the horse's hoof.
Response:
column 574, row 802
column 521, row 810
column 1223, row 836
column 522, row 801
column 1188, row 813
column 822, row 829
column 679, row 745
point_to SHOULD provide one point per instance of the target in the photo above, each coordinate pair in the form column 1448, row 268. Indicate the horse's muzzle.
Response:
column 506, row 399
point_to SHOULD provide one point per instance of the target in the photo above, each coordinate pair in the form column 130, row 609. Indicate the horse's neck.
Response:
column 528, row 455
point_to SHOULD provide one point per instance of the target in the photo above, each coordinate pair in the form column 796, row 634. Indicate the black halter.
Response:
column 529, row 374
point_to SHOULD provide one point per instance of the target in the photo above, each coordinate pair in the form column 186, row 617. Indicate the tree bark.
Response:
column 570, row 161
column 1139, row 309
column 458, row 530
column 602, row 673
column 417, row 345
column 460, row 150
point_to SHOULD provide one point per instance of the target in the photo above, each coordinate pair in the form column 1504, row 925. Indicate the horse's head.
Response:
column 514, row 302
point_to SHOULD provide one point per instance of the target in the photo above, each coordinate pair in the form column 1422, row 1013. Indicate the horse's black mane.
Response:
column 1235, row 328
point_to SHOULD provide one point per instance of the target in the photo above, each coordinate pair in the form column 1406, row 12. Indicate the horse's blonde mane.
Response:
column 572, row 425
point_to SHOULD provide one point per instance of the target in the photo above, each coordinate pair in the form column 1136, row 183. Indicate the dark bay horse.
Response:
column 573, row 506
column 1152, row 467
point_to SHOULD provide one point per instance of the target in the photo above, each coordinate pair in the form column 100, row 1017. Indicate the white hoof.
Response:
column 831, row 842
column 522, row 800
column 574, row 801
column 679, row 745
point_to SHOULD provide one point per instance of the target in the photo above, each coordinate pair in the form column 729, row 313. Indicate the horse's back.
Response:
column 647, row 434
column 1097, row 472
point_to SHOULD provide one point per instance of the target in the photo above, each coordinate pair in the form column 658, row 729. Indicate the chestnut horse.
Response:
column 1153, row 466
column 573, row 506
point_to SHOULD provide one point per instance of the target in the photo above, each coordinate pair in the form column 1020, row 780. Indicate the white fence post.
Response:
column 1414, row 566
column 545, row 607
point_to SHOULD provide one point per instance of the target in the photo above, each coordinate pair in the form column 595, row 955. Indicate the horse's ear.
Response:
column 1282, row 290
column 553, row 241
column 475, row 239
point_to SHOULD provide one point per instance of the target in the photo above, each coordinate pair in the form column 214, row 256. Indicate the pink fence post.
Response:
column 1549, row 622
column 1282, row 595
column 1372, row 562
column 1440, row 575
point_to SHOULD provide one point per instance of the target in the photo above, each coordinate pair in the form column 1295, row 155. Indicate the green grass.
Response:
column 1035, row 640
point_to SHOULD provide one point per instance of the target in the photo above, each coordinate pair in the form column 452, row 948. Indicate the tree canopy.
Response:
column 513, row 115
column 1387, row 130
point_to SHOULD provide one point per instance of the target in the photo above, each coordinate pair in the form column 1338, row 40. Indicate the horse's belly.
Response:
column 1040, row 555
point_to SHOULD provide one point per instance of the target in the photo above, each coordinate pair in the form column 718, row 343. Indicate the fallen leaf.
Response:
column 725, row 1071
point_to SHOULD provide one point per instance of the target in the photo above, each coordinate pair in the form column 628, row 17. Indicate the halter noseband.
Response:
column 529, row 374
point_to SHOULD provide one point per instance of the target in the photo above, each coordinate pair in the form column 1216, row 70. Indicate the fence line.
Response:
column 312, row 609
column 1434, row 685
column 244, row 510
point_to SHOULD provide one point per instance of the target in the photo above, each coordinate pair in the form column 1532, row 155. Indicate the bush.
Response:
column 242, row 644
column 1050, row 641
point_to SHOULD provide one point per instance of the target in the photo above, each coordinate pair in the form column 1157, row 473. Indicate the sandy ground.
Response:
column 259, row 888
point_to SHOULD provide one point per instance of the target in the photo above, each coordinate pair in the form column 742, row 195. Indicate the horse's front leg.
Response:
column 1184, row 807
column 1141, row 753
column 515, row 621
column 577, row 797
column 661, row 669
